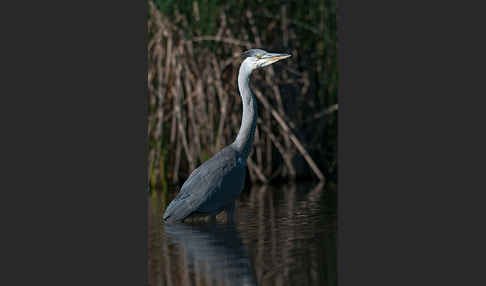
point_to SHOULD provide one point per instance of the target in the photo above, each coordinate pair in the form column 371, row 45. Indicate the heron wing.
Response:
column 202, row 184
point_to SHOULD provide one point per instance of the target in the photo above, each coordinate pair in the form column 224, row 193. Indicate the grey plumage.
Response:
column 204, row 190
column 215, row 185
column 252, row 53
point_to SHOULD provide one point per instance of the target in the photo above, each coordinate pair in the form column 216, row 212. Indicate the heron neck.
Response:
column 244, row 139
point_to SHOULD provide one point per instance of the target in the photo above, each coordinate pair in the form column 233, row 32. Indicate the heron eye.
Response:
column 259, row 56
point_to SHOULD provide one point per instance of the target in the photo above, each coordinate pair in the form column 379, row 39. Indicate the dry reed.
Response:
column 195, row 110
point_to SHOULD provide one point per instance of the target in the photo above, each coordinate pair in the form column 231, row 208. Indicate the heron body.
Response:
column 216, row 184
column 210, row 188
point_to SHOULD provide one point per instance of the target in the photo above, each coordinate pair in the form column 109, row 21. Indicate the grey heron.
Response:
column 216, row 184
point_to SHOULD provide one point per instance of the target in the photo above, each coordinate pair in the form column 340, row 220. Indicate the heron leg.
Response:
column 212, row 218
column 230, row 213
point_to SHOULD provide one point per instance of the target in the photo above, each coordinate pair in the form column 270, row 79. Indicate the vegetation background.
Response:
column 195, row 109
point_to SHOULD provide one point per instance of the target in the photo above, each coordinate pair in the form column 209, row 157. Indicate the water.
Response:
column 283, row 235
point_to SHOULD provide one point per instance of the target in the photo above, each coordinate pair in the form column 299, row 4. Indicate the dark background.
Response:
column 74, row 143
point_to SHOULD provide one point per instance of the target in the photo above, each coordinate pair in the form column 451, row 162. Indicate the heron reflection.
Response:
column 215, row 250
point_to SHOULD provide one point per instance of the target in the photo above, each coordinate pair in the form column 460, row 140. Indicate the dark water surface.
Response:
column 283, row 235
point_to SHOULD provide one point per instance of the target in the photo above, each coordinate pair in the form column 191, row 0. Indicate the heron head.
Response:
column 257, row 58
